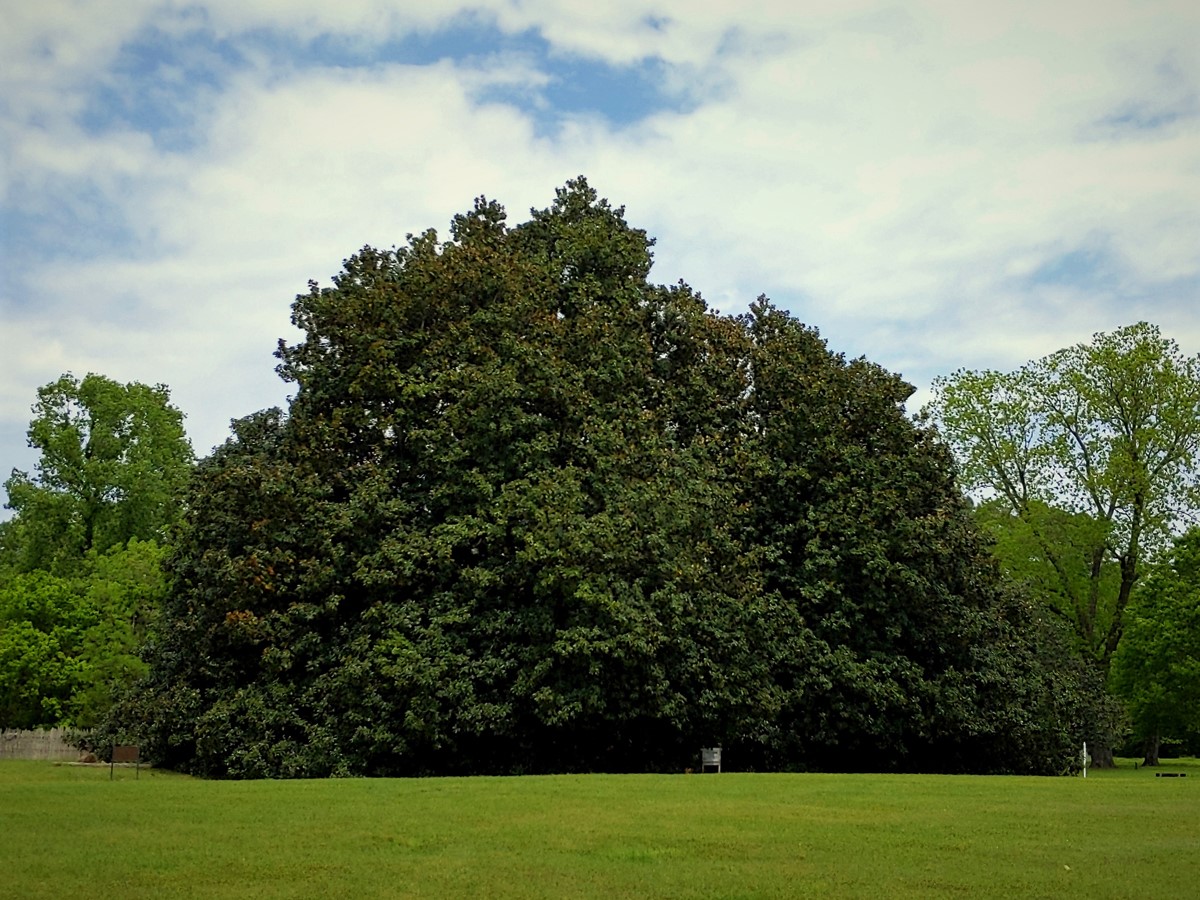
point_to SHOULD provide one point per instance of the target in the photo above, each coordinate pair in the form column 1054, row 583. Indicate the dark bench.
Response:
column 125, row 754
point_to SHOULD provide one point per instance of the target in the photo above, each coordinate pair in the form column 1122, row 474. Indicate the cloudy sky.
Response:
column 932, row 184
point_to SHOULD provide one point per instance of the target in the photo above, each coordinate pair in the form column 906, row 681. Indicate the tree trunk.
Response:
column 1102, row 757
column 1152, row 745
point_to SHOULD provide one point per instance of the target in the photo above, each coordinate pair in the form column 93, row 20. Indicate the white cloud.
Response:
column 897, row 176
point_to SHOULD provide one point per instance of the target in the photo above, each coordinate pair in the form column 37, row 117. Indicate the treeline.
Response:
column 529, row 512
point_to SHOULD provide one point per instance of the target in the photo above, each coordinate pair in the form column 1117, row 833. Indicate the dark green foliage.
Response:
column 529, row 512
column 901, row 652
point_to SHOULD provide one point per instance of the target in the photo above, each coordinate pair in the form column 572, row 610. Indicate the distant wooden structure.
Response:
column 710, row 758
column 126, row 754
column 44, row 744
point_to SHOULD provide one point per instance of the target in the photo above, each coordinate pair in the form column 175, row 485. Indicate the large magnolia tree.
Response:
column 530, row 512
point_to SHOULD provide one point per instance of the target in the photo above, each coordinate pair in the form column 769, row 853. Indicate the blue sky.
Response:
column 934, row 185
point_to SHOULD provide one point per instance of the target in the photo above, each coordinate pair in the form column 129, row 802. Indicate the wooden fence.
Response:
column 49, row 744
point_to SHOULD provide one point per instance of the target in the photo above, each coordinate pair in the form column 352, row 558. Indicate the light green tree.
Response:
column 114, row 460
column 80, row 562
column 43, row 622
column 1108, row 431
column 70, row 644
column 1157, row 667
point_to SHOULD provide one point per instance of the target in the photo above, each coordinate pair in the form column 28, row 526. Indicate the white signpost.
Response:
column 1085, row 759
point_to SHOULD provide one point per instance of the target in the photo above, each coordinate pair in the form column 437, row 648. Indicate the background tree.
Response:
column 1109, row 431
column 1157, row 667
column 1058, row 586
column 44, row 621
column 127, row 589
column 80, row 562
column 114, row 460
column 1063, row 580
column 70, row 644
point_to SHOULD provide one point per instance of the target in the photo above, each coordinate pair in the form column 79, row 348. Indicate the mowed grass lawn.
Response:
column 68, row 831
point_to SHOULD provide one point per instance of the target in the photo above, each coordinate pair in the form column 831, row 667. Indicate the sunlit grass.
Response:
column 70, row 831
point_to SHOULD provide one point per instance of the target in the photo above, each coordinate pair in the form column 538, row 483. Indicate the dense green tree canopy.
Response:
column 114, row 460
column 70, row 644
column 530, row 512
column 1157, row 668
column 1108, row 431
column 871, row 544
column 43, row 623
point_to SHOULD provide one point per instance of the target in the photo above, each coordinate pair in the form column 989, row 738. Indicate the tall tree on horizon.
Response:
column 114, row 461
column 1108, row 431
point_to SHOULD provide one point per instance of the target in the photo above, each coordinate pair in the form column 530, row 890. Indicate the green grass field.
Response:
column 68, row 831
